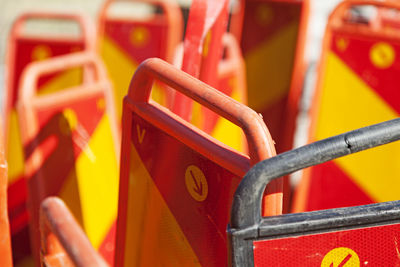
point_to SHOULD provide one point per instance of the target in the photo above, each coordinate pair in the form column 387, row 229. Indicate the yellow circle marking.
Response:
column 264, row 14
column 139, row 36
column 343, row 257
column 382, row 55
column 101, row 104
column 40, row 52
column 196, row 183
column 68, row 121
column 342, row 44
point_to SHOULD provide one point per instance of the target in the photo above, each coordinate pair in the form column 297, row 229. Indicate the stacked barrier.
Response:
column 273, row 41
column 355, row 88
column 188, row 138
column 126, row 41
column 24, row 48
column 71, row 147
column 198, row 177
column 352, row 236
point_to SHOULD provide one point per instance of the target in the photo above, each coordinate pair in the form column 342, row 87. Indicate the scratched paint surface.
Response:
column 179, row 202
column 372, row 246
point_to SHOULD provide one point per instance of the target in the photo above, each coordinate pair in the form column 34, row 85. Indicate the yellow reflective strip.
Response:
column 348, row 103
column 269, row 68
column 64, row 80
column 153, row 236
column 15, row 154
column 120, row 69
column 97, row 172
column 70, row 195
column 228, row 133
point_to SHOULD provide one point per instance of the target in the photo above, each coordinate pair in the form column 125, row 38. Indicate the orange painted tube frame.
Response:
column 172, row 13
column 63, row 242
column 88, row 37
column 261, row 145
column 5, row 244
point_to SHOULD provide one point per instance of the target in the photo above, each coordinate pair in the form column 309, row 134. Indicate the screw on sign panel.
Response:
column 341, row 257
column 382, row 55
column 196, row 183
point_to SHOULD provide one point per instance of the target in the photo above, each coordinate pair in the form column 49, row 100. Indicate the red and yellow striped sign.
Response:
column 71, row 149
column 357, row 87
column 177, row 182
column 126, row 42
column 273, row 39
column 24, row 49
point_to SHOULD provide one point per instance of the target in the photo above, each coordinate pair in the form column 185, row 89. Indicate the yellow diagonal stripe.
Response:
column 153, row 236
column 15, row 154
column 64, row 80
column 348, row 103
column 228, row 133
column 121, row 68
column 97, row 175
column 269, row 68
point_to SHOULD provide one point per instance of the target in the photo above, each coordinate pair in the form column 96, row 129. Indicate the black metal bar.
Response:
column 246, row 208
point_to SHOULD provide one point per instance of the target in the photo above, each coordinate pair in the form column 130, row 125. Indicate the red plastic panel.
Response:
column 372, row 246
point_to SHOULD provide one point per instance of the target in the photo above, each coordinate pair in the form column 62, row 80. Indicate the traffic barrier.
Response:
column 125, row 41
column 176, row 181
column 5, row 242
column 63, row 243
column 355, row 88
column 352, row 236
column 273, row 40
column 204, row 45
column 23, row 48
column 72, row 135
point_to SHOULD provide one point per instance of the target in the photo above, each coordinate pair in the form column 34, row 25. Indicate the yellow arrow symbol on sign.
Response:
column 140, row 133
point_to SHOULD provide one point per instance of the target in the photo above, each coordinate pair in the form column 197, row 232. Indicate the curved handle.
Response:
column 56, row 219
column 86, row 26
column 31, row 75
column 173, row 15
column 246, row 208
column 339, row 15
column 259, row 140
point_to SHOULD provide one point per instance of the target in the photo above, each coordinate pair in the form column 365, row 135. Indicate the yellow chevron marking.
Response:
column 15, row 153
column 269, row 70
column 66, row 79
column 121, row 68
column 347, row 103
column 70, row 195
column 228, row 133
column 97, row 172
column 153, row 236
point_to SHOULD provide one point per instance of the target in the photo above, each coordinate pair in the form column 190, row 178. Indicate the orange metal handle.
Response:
column 86, row 26
column 260, row 143
column 57, row 220
column 61, row 63
column 338, row 16
column 172, row 12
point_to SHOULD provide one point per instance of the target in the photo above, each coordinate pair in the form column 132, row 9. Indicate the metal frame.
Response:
column 246, row 223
